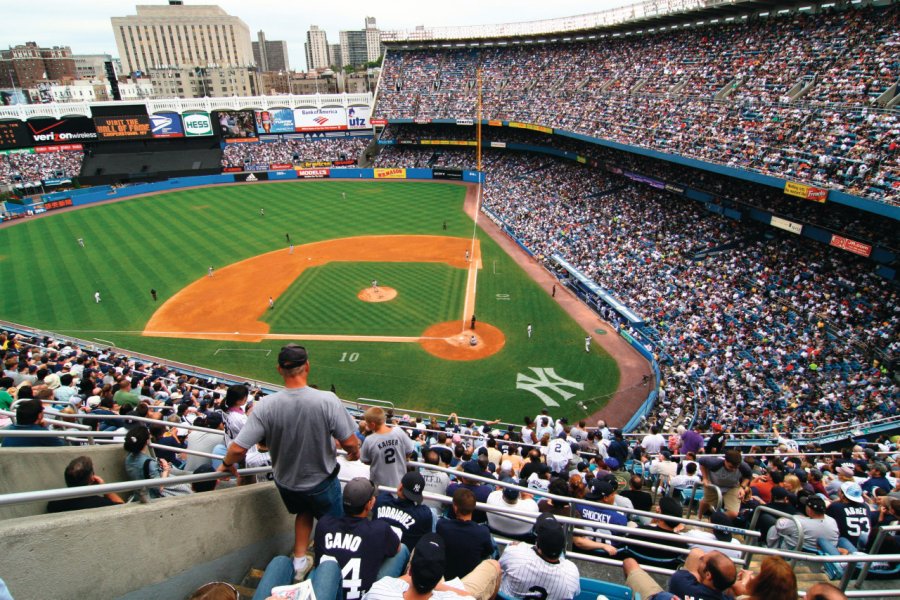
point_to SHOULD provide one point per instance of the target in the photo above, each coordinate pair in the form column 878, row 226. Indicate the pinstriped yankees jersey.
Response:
column 524, row 570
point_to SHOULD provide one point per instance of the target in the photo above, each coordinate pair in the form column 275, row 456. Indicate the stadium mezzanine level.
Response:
column 764, row 125
column 661, row 173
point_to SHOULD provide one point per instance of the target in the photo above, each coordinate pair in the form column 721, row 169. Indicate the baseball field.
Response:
column 378, row 279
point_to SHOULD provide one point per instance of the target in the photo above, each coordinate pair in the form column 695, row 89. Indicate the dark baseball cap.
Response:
column 472, row 467
column 600, row 488
column 426, row 567
column 292, row 356
column 413, row 483
column 214, row 419
column 510, row 493
column 357, row 492
column 551, row 537
column 779, row 493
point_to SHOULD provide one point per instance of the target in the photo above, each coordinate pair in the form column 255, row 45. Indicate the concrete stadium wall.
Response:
column 29, row 469
column 165, row 549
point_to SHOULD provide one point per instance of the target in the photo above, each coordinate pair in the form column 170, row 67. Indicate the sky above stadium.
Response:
column 85, row 26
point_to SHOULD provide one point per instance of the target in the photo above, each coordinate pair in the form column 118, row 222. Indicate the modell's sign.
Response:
column 313, row 173
column 56, row 131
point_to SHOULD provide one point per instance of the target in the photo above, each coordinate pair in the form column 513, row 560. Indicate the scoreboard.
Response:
column 14, row 134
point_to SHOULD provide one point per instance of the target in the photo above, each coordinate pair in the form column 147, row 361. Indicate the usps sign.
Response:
column 166, row 125
column 329, row 118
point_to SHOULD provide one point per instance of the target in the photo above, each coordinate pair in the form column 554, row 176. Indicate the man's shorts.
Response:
column 731, row 501
column 324, row 499
column 483, row 581
column 642, row 583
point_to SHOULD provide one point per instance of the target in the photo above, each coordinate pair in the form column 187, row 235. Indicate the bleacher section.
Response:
column 150, row 160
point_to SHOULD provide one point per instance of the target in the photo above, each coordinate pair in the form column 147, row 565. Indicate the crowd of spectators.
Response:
column 744, row 196
column 841, row 499
column 753, row 327
column 294, row 151
column 722, row 93
column 32, row 169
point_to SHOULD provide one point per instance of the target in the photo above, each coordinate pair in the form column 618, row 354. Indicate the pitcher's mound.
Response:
column 379, row 294
column 449, row 341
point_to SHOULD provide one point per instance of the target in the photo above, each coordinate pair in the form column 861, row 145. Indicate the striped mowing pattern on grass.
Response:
column 168, row 241
column 427, row 294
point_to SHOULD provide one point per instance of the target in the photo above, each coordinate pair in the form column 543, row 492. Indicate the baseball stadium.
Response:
column 651, row 250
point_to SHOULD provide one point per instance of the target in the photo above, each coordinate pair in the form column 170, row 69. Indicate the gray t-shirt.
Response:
column 784, row 533
column 299, row 426
column 386, row 454
column 722, row 477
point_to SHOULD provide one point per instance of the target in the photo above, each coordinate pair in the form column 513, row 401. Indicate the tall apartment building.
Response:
column 26, row 65
column 334, row 55
column 175, row 35
column 316, row 48
column 360, row 47
column 270, row 55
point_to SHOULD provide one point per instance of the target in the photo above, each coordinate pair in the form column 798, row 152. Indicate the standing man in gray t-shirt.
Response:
column 385, row 449
column 300, row 425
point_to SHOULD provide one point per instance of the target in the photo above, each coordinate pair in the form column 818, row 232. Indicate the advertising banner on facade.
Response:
column 275, row 120
column 61, row 131
column 358, row 117
column 59, row 148
column 196, row 124
column 328, row 118
column 849, row 245
column 530, row 126
column 786, row 225
column 313, row 173
column 166, row 125
column 807, row 192
column 250, row 177
column 390, row 173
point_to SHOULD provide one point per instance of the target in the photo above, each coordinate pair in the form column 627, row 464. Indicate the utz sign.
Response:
column 197, row 124
column 358, row 117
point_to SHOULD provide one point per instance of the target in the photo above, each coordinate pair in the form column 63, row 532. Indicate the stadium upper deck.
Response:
column 804, row 94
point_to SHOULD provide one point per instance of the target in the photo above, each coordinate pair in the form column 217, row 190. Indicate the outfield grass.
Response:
column 166, row 242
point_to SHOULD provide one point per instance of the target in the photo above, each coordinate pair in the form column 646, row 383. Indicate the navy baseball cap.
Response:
column 413, row 483
column 292, row 356
column 426, row 567
column 551, row 537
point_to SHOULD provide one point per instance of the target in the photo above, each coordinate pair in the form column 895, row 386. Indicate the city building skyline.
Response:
column 175, row 35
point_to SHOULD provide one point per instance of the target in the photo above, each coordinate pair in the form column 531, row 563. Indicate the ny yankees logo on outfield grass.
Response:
column 546, row 377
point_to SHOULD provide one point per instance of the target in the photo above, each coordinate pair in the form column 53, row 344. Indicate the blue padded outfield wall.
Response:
column 84, row 196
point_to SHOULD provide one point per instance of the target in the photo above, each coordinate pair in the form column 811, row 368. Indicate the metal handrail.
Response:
column 122, row 486
column 570, row 499
column 778, row 514
column 876, row 546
